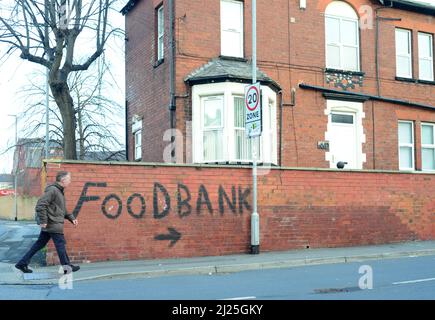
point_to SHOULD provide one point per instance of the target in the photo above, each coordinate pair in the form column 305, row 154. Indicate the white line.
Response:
column 239, row 298
column 415, row 281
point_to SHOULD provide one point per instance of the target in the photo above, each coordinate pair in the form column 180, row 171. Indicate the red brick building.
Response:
column 345, row 81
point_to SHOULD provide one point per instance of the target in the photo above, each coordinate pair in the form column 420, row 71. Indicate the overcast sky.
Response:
column 14, row 75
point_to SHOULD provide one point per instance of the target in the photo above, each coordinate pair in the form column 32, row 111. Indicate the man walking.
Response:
column 51, row 213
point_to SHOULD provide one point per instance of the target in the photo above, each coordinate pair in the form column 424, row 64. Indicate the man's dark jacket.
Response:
column 51, row 209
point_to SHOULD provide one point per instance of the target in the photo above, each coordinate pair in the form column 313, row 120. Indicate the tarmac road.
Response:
column 408, row 278
column 16, row 237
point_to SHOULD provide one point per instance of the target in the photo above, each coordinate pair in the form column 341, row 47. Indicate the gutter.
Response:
column 410, row 6
column 367, row 96
column 223, row 78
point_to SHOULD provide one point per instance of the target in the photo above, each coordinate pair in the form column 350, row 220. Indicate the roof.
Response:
column 37, row 143
column 225, row 69
column 6, row 178
column 421, row 6
column 130, row 4
column 105, row 156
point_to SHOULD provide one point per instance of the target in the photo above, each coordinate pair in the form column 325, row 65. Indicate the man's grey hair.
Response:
column 60, row 175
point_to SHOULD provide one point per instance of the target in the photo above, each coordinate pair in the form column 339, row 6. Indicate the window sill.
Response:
column 406, row 79
column 354, row 73
column 426, row 82
column 412, row 80
column 231, row 58
column 239, row 163
column 159, row 62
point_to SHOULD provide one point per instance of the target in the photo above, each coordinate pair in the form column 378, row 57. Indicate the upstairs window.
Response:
column 403, row 53
column 160, row 33
column 232, row 28
column 425, row 56
column 342, row 37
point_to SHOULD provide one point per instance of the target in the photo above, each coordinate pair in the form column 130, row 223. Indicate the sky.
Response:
column 15, row 73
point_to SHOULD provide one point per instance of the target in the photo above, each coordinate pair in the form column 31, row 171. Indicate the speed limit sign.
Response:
column 253, row 123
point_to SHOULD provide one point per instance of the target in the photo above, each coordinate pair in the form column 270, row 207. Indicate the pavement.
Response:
column 16, row 237
column 217, row 264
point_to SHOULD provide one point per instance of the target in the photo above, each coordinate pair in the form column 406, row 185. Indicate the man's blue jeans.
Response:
column 44, row 237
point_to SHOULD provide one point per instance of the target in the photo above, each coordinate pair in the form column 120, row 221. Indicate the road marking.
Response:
column 239, row 298
column 415, row 281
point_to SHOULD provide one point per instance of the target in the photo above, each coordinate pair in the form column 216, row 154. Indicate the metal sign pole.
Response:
column 255, row 221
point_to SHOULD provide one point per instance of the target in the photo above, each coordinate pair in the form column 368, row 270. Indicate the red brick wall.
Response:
column 298, row 208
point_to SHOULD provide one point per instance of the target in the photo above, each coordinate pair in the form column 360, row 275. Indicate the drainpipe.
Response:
column 378, row 18
column 378, row 79
column 280, row 127
column 172, row 105
column 126, row 130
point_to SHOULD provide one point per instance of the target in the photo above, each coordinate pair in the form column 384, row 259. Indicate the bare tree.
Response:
column 97, row 121
column 46, row 32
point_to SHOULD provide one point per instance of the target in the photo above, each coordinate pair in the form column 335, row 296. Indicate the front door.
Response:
column 343, row 142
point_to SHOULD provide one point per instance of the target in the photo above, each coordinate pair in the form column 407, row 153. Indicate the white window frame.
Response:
column 407, row 55
column 241, row 130
column 342, row 11
column 427, row 146
column 407, row 145
column 229, row 90
column 160, row 33
column 230, row 49
column 220, row 128
column 137, row 136
column 429, row 58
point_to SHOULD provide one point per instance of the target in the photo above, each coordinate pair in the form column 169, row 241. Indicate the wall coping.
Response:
column 210, row 166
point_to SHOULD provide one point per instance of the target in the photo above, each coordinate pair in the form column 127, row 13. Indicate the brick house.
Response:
column 345, row 81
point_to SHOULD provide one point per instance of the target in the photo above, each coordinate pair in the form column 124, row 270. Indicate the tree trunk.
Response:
column 81, row 133
column 64, row 101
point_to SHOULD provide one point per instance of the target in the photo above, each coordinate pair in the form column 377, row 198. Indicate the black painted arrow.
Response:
column 173, row 235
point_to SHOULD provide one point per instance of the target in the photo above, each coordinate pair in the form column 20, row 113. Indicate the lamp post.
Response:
column 16, row 167
column 255, row 219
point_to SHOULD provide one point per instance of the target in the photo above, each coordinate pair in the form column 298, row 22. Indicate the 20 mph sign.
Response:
column 253, row 125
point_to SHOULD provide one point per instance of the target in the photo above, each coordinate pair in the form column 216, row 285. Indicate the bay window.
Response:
column 218, row 125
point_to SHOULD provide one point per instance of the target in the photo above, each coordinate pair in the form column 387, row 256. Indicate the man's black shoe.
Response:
column 71, row 268
column 23, row 268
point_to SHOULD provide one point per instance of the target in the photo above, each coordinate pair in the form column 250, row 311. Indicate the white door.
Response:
column 343, row 142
